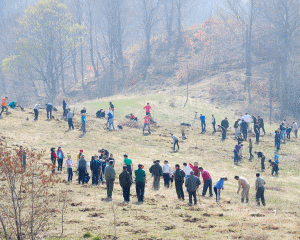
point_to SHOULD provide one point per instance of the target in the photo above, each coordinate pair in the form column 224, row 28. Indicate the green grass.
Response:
column 87, row 235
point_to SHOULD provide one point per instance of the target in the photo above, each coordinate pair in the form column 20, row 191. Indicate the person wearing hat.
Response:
column 95, row 166
column 156, row 171
column 192, row 184
column 82, row 168
column 125, row 182
column 79, row 155
column 69, row 164
column 244, row 184
column 110, row 176
column 60, row 154
column 140, row 179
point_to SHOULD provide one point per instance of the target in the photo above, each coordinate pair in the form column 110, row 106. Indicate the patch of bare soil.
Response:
column 169, row 227
column 257, row 215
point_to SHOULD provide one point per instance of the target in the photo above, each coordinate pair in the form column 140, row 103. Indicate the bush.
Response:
column 87, row 235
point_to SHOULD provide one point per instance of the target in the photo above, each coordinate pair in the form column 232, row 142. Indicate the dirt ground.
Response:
column 162, row 216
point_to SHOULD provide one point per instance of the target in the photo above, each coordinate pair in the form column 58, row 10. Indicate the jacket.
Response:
column 244, row 126
column 95, row 165
column 192, row 183
column 179, row 176
column 125, row 179
column 82, row 164
column 60, row 154
column 260, row 122
column 156, row 169
column 110, row 174
column 225, row 124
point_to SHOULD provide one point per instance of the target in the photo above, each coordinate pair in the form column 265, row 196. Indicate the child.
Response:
column 218, row 186
column 69, row 164
column 79, row 155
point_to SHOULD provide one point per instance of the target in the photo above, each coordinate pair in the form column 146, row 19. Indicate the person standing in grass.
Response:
column 82, row 168
column 148, row 109
column 95, row 166
column 125, row 182
column 218, row 186
column 262, row 161
column 49, row 108
column 83, row 122
column 250, row 149
column 260, row 190
column 110, row 117
column 175, row 142
column 277, row 139
column 257, row 133
column 206, row 181
column 3, row 105
column 60, row 154
column 179, row 180
column 295, row 127
column 244, row 129
column 36, row 111
column 192, row 184
column 110, row 176
column 236, row 128
column 213, row 122
column 167, row 174
column 140, row 179
column 195, row 168
column 224, row 126
column 244, row 184
column 65, row 107
column 203, row 125
column 112, row 107
column 53, row 159
column 274, row 166
column 69, row 164
column 70, row 116
column 261, row 125
column 128, row 163
column 156, row 171
column 147, row 119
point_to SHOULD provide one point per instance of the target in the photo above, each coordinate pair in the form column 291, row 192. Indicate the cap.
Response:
column 124, row 167
column 140, row 165
column 81, row 150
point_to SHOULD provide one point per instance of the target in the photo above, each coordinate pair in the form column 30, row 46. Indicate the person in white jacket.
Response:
column 167, row 173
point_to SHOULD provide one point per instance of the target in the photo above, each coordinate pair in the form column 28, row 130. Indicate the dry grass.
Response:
column 162, row 216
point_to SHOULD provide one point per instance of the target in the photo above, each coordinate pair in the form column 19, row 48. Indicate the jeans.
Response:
column 250, row 152
column 54, row 163
column 207, row 184
column 129, row 170
column 95, row 177
column 145, row 125
column 36, row 114
column 283, row 133
column 262, row 164
column 2, row 110
column 277, row 144
column 296, row 131
column 260, row 195
column 179, row 190
column 275, row 170
column 288, row 136
column 218, row 193
column 224, row 134
column 156, row 182
column 60, row 163
column 83, row 127
column 70, row 174
column 126, row 194
column 236, row 130
column 109, row 187
column 175, row 143
column 203, row 125
column 166, row 177
column 49, row 112
column 191, row 195
column 81, row 175
column 263, row 128
column 70, row 123
column 214, row 126
column 140, row 189
column 257, row 137
column 111, row 123
column 245, row 134
column 236, row 157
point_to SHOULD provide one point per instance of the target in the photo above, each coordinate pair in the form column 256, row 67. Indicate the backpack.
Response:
column 86, row 178
column 120, row 127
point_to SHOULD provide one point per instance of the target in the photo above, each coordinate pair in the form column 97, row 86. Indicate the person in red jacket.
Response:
column 207, row 182
column 147, row 123
column 195, row 168
column 148, row 109
column 53, row 159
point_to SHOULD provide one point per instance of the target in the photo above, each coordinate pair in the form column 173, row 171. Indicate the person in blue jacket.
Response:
column 203, row 125
column 95, row 166
column 218, row 186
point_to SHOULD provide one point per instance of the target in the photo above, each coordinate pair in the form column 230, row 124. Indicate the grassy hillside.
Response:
column 162, row 216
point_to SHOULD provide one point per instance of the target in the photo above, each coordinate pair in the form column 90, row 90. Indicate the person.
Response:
column 254, row 120
column 36, row 111
column 60, row 154
column 203, row 125
column 218, row 186
column 111, row 158
column 166, row 174
column 261, row 125
column 69, row 164
column 49, row 108
column 213, row 122
column 257, row 133
column 244, row 184
column 206, row 181
column 236, row 154
column 110, row 176
column 192, row 184
column 53, row 159
column 100, row 114
column 110, row 118
column 3, row 105
column 244, row 130
column 260, row 190
column 276, row 157
column 187, row 169
column 274, row 166
column 83, row 111
column 195, row 169
column 236, row 128
column 224, row 125
column 250, row 149
column 128, row 163
column 14, row 104
column 240, row 138
column 175, row 142
column 247, row 119
column 179, row 176
column 22, row 156
column 82, row 168
column 277, row 139
column 148, row 109
column 262, row 161
column 112, row 107
column 140, row 179
column 125, row 183
column 282, row 131
column 156, row 171
column 147, row 119
column 83, row 122
column 95, row 166
column 102, row 159
column 132, row 117
column 295, row 127
column 70, row 116
column 79, row 154
column 65, row 107
column 288, row 132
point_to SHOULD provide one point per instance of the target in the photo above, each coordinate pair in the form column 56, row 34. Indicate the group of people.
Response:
column 4, row 105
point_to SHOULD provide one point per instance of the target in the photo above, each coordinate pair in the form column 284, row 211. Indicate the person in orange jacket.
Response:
column 3, row 105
